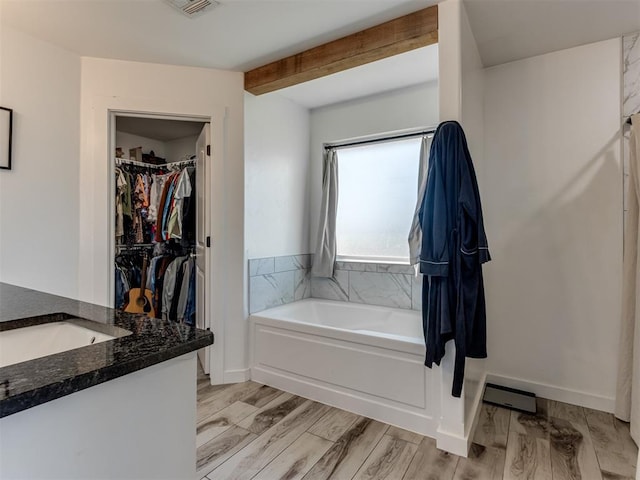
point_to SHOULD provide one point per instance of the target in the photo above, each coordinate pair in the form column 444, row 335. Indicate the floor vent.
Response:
column 510, row 398
column 193, row 8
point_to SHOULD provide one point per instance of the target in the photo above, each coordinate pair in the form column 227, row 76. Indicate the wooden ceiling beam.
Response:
column 415, row 30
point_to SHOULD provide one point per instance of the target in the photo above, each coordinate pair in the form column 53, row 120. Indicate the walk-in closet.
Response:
column 156, row 183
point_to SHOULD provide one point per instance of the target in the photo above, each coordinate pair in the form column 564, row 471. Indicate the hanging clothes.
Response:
column 189, row 212
column 140, row 205
column 133, row 187
column 171, row 286
column 129, row 265
column 454, row 246
column 175, row 210
column 182, row 191
column 121, row 183
column 151, row 281
column 156, row 209
column 159, row 273
column 164, row 207
column 184, row 294
column 157, row 185
column 126, row 196
column 121, row 286
column 179, row 301
column 190, row 309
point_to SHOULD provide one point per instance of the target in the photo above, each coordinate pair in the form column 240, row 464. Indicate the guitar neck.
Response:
column 143, row 277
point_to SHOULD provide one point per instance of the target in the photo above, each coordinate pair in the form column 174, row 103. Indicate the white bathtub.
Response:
column 23, row 344
column 392, row 327
column 362, row 358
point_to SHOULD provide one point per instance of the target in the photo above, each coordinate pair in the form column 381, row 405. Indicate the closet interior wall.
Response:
column 155, row 217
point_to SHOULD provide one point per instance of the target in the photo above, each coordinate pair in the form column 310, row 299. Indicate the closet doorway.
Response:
column 160, row 222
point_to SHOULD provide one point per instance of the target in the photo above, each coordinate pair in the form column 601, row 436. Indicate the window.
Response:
column 377, row 196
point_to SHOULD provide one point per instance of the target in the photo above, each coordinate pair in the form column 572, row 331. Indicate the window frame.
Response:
column 384, row 138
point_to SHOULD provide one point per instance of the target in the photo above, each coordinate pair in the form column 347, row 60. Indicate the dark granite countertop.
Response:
column 27, row 384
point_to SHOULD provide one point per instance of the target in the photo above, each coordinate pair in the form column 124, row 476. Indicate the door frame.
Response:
column 113, row 114
column 203, row 231
column 215, row 305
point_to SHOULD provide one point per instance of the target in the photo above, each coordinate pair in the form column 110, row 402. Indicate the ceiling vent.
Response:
column 193, row 8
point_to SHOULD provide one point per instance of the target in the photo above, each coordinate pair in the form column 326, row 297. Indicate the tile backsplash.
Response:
column 631, row 104
column 276, row 281
column 388, row 285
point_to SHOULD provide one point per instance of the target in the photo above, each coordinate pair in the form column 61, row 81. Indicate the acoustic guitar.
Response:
column 141, row 299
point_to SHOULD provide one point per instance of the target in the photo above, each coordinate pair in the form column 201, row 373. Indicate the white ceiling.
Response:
column 237, row 35
column 507, row 30
column 243, row 34
column 404, row 70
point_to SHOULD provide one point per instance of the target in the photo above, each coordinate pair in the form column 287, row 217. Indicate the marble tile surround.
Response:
column 631, row 73
column 275, row 281
column 631, row 97
column 388, row 285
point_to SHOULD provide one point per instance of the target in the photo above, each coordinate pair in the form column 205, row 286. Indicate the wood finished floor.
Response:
column 252, row 431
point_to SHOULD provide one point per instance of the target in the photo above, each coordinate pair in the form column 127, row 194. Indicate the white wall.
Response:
column 553, row 214
column 276, row 176
column 39, row 199
column 128, row 141
column 450, row 59
column 212, row 93
column 472, row 95
column 54, row 211
column 472, row 120
column 411, row 107
column 180, row 147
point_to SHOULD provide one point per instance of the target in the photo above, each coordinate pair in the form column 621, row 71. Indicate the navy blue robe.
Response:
column 454, row 247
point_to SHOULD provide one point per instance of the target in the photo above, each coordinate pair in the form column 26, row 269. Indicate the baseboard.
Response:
column 559, row 394
column 452, row 443
column 418, row 422
column 237, row 376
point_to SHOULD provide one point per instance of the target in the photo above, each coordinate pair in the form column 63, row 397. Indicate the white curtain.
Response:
column 326, row 249
column 415, row 234
column 628, row 385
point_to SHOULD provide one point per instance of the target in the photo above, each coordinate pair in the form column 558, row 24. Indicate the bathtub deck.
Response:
column 252, row 431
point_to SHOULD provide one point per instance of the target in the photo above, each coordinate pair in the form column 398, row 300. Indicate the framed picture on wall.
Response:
column 6, row 125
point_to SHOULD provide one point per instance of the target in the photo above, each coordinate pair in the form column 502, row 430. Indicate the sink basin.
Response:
column 27, row 343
